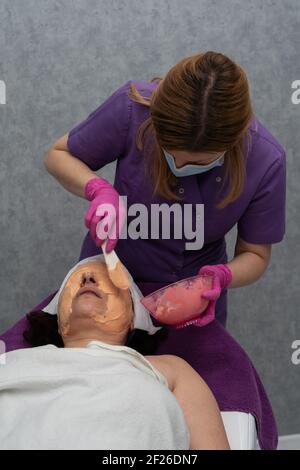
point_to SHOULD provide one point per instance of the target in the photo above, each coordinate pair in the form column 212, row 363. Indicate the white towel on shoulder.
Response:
column 98, row 397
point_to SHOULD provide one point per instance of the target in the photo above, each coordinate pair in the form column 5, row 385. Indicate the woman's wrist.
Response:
column 246, row 268
column 93, row 186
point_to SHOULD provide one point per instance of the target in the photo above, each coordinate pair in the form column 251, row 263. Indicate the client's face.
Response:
column 90, row 304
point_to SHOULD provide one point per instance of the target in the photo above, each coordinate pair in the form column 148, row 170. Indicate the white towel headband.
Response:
column 142, row 319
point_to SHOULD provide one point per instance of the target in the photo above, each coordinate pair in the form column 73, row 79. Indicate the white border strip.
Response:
column 290, row 442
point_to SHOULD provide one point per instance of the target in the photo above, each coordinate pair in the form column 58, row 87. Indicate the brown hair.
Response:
column 201, row 105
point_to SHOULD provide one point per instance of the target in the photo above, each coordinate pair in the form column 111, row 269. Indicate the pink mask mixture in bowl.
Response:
column 180, row 301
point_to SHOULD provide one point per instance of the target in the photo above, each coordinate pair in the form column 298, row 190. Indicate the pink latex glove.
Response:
column 222, row 277
column 100, row 217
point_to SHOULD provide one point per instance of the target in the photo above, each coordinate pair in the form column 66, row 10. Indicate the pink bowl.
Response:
column 180, row 301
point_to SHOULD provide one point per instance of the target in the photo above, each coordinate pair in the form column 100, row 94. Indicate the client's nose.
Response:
column 87, row 278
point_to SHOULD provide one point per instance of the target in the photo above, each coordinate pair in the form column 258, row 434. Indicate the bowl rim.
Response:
column 200, row 276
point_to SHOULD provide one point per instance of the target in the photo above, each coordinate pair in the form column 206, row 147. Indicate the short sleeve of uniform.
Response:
column 101, row 137
column 264, row 219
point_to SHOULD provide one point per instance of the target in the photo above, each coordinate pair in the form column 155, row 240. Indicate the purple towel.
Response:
column 216, row 356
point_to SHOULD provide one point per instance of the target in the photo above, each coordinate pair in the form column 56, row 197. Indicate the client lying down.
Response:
column 97, row 393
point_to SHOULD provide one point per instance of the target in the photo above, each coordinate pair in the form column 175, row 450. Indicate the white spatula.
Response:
column 115, row 268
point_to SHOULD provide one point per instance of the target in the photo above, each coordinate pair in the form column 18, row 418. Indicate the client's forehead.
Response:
column 101, row 268
column 97, row 269
column 92, row 265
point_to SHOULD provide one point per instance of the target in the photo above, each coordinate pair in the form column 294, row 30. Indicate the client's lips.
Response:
column 93, row 290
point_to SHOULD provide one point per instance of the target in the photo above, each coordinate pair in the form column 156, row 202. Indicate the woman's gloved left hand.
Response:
column 221, row 278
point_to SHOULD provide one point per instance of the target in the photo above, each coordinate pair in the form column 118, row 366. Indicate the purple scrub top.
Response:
column 109, row 134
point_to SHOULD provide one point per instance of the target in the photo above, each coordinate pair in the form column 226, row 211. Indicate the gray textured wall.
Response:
column 60, row 60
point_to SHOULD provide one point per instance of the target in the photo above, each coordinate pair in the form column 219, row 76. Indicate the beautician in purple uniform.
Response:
column 202, row 145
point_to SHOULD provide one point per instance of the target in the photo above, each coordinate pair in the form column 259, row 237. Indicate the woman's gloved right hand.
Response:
column 106, row 213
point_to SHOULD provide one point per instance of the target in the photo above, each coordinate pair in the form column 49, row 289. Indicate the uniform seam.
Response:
column 84, row 123
column 277, row 162
column 268, row 140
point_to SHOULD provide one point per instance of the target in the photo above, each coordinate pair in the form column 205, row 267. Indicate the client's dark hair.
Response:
column 43, row 329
